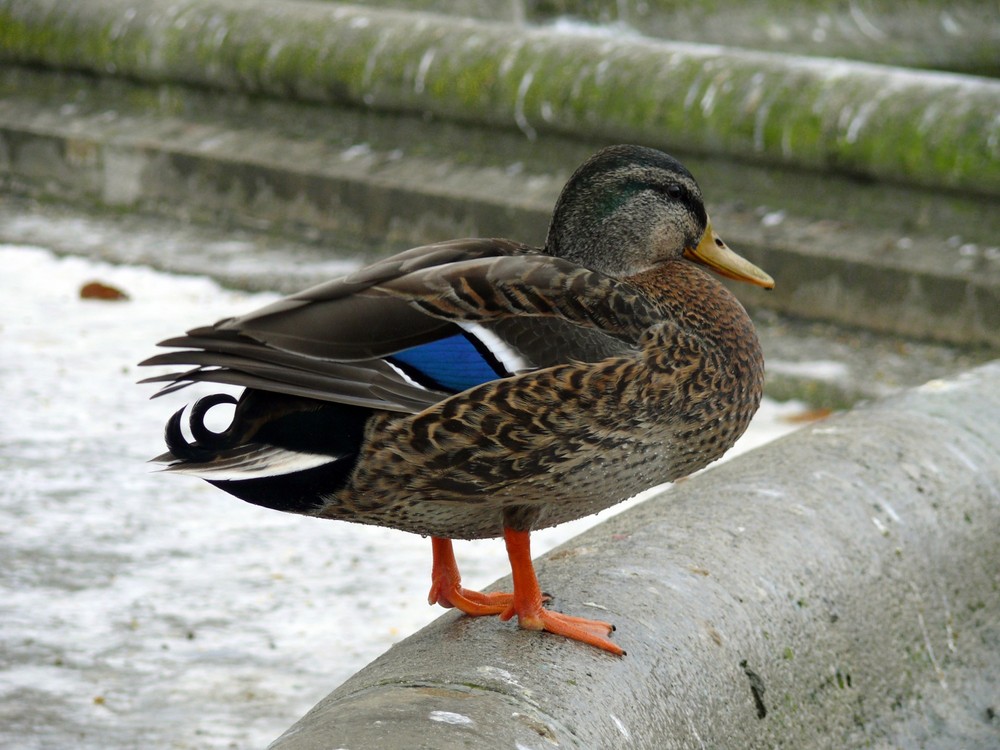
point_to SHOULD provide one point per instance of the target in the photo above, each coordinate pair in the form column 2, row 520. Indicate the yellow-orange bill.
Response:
column 713, row 253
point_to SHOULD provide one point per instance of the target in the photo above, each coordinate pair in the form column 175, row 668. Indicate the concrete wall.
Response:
column 838, row 588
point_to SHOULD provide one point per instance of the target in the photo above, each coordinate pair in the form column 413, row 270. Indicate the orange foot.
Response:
column 592, row 632
column 528, row 597
column 446, row 586
column 525, row 602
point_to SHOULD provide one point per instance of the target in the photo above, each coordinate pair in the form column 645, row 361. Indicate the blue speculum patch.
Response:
column 452, row 364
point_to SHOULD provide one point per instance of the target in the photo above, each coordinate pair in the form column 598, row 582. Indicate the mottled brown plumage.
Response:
column 668, row 408
column 475, row 388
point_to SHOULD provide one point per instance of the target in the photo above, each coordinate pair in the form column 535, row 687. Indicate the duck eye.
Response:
column 675, row 191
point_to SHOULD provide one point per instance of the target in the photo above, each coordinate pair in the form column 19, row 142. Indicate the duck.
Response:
column 486, row 388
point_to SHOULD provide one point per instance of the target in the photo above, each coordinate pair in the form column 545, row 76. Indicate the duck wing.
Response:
column 408, row 331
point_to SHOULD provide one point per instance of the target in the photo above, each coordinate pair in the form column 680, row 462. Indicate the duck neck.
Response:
column 696, row 300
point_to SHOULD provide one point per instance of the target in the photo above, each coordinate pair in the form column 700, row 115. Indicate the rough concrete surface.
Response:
column 837, row 588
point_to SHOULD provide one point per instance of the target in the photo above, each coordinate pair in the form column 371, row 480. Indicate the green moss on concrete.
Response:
column 21, row 40
column 934, row 130
column 70, row 37
column 957, row 35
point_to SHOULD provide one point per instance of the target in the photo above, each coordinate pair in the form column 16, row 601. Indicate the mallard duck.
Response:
column 484, row 388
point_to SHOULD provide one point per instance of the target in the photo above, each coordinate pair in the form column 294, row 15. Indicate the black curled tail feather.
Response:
column 207, row 443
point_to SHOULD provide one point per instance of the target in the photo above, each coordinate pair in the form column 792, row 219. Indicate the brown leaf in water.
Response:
column 101, row 291
column 809, row 415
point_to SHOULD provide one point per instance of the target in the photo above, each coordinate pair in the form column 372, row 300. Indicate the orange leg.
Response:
column 446, row 586
column 528, row 597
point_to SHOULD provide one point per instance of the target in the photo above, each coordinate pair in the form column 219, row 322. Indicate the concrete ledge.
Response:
column 853, row 365
column 922, row 128
column 171, row 125
column 835, row 589
column 355, row 182
column 959, row 36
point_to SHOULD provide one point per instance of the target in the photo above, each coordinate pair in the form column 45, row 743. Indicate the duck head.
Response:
column 630, row 208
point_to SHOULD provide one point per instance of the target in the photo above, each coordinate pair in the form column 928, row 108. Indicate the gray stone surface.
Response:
column 838, row 588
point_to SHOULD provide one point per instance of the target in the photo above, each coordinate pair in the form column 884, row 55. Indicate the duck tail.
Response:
column 284, row 452
column 206, row 443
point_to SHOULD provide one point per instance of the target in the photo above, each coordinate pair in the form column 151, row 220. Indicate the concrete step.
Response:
column 869, row 192
column 908, row 262
column 959, row 36
column 827, row 366
column 879, row 122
